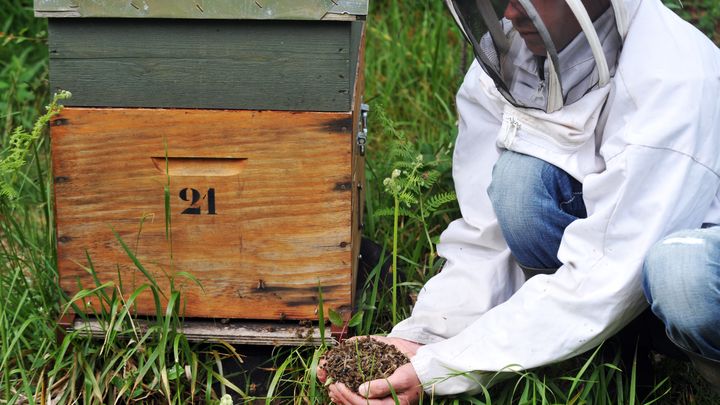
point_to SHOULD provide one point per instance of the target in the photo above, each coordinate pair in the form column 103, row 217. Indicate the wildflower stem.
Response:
column 396, row 216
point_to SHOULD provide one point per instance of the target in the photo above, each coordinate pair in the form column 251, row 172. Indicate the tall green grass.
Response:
column 23, row 65
column 29, row 296
column 415, row 61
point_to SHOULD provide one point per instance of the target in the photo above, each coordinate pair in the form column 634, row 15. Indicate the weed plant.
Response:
column 415, row 61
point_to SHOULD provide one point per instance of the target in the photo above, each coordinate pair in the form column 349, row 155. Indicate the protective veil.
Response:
column 642, row 140
column 560, row 76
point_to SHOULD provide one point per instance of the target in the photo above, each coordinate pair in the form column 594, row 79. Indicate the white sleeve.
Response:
column 479, row 272
column 643, row 194
column 474, row 279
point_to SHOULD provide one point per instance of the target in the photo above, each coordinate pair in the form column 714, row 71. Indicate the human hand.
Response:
column 404, row 380
column 406, row 347
column 404, row 383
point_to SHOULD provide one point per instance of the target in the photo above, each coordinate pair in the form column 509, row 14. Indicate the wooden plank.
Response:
column 358, row 8
column 233, row 332
column 279, row 65
column 357, row 41
column 269, row 222
column 232, row 9
column 358, row 162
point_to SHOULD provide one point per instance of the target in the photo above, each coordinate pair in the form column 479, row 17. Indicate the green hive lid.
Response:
column 206, row 9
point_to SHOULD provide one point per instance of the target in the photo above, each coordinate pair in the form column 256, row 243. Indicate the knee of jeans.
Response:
column 516, row 184
column 678, row 278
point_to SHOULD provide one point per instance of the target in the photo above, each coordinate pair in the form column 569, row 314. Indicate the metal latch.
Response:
column 362, row 131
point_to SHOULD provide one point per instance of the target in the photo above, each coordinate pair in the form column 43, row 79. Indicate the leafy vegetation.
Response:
column 704, row 14
column 415, row 61
column 19, row 144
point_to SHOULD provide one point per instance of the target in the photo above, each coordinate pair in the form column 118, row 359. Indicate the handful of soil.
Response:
column 354, row 362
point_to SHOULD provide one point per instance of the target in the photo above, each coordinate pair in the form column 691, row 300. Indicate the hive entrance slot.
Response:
column 199, row 166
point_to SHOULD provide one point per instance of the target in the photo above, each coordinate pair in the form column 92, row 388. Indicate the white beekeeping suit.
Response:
column 642, row 135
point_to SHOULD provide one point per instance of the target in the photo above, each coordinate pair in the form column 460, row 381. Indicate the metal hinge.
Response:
column 362, row 130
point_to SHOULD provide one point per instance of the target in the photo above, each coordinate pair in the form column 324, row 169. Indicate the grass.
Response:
column 415, row 62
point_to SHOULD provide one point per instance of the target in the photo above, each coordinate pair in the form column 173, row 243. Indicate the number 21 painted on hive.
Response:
column 193, row 195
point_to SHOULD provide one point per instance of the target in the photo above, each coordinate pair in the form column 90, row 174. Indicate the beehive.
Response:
column 217, row 139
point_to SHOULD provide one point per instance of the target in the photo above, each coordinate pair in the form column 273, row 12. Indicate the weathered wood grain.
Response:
column 357, row 49
column 242, row 333
column 272, row 220
column 233, row 9
column 223, row 64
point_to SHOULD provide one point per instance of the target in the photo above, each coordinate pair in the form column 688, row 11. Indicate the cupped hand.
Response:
column 404, row 381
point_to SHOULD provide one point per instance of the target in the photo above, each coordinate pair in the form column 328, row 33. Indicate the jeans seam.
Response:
column 575, row 194
column 682, row 347
column 547, row 167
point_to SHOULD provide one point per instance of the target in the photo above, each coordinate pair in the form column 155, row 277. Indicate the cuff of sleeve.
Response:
column 415, row 336
column 411, row 331
column 421, row 364
column 438, row 379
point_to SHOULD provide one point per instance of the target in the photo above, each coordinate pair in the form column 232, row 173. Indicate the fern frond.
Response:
column 6, row 191
column 429, row 178
column 413, row 182
column 384, row 212
column 404, row 164
column 19, row 146
column 438, row 200
column 404, row 212
column 407, row 198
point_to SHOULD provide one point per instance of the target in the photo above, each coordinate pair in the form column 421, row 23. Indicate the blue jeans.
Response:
column 534, row 201
column 681, row 279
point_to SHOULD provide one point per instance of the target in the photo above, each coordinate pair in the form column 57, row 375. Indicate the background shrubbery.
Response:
column 415, row 61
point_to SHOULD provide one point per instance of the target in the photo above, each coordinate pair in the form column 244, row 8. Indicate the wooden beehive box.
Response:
column 244, row 116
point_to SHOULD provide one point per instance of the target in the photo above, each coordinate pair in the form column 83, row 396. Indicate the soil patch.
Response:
column 356, row 361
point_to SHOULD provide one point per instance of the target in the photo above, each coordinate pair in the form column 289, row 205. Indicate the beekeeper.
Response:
column 588, row 131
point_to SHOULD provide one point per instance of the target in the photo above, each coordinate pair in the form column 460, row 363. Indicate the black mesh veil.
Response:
column 530, row 80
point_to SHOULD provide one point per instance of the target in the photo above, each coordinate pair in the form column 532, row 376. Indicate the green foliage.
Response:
column 14, row 157
column 412, row 180
column 23, row 66
column 416, row 59
column 587, row 379
column 411, row 185
column 704, row 14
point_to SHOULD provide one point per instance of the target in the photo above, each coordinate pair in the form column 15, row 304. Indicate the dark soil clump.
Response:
column 356, row 361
